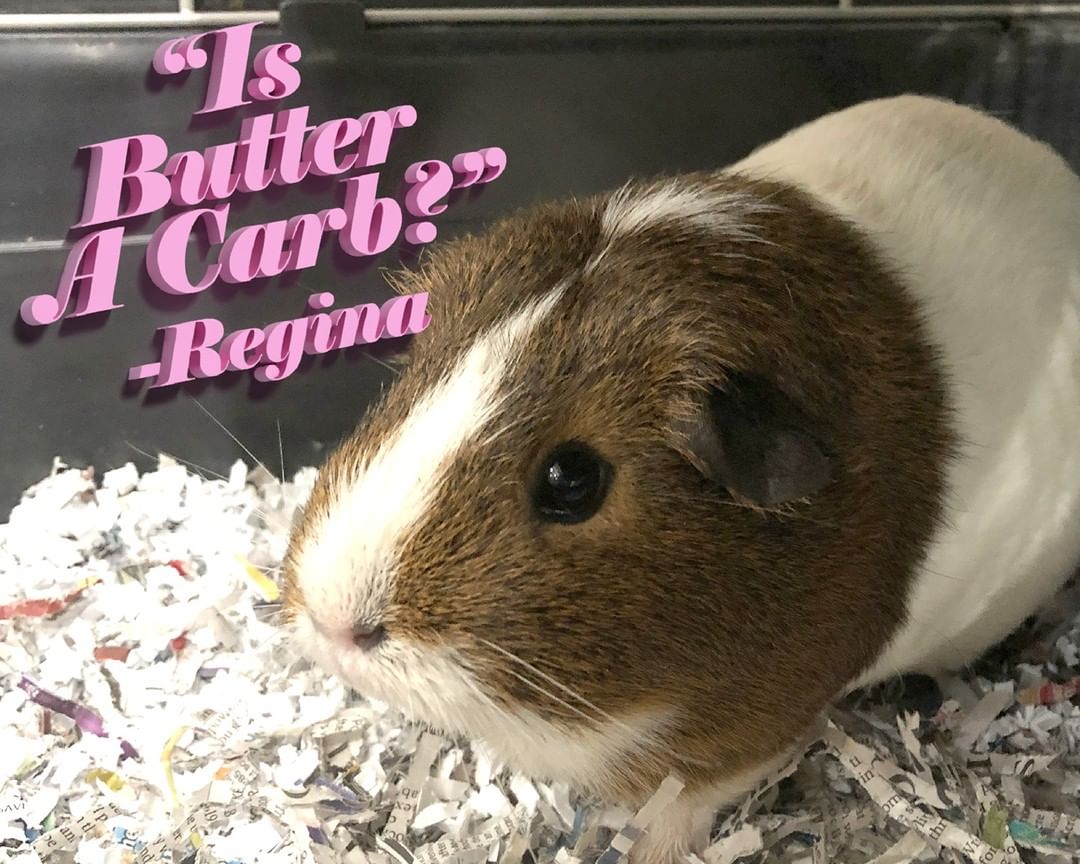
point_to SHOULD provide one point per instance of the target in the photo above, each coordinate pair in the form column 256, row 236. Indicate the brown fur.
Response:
column 674, row 595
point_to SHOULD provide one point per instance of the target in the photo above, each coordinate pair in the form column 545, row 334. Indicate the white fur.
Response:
column 437, row 687
column 632, row 209
column 346, row 571
column 985, row 225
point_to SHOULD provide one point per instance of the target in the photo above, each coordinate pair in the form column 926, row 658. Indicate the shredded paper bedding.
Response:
column 152, row 710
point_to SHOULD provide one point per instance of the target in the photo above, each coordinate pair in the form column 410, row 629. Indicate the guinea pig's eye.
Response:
column 572, row 485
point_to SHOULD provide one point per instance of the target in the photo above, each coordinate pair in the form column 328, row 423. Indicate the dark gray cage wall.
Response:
column 578, row 104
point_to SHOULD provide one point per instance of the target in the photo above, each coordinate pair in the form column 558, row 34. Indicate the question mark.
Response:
column 431, row 181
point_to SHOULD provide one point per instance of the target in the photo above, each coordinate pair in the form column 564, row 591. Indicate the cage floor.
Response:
column 153, row 709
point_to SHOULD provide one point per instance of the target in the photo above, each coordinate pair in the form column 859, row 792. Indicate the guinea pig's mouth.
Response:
column 435, row 685
column 428, row 684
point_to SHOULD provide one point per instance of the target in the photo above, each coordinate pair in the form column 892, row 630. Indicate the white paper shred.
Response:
column 197, row 735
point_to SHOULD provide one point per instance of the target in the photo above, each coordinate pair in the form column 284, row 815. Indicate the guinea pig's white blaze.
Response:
column 345, row 571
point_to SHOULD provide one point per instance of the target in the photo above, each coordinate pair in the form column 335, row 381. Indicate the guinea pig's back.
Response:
column 983, row 224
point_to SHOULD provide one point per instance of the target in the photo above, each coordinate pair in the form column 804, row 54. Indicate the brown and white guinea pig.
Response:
column 674, row 467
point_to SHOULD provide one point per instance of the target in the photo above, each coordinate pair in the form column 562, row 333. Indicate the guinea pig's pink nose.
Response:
column 367, row 636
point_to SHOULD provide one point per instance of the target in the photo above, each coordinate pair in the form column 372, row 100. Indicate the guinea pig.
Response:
column 674, row 467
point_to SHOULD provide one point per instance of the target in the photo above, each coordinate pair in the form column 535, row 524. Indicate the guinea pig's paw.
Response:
column 659, row 849
column 681, row 829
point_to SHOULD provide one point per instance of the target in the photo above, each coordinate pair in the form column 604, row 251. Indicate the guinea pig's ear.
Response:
column 751, row 438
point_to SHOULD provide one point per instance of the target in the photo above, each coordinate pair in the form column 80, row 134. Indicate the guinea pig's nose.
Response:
column 367, row 636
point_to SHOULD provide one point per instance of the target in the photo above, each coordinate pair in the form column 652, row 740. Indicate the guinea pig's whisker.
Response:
column 656, row 742
column 550, row 679
column 382, row 363
column 201, row 470
column 559, row 701
column 941, row 575
column 524, row 679
column 471, row 681
column 225, row 429
column 281, row 450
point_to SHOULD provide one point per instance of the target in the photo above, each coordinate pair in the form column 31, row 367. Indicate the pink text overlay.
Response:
column 136, row 176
